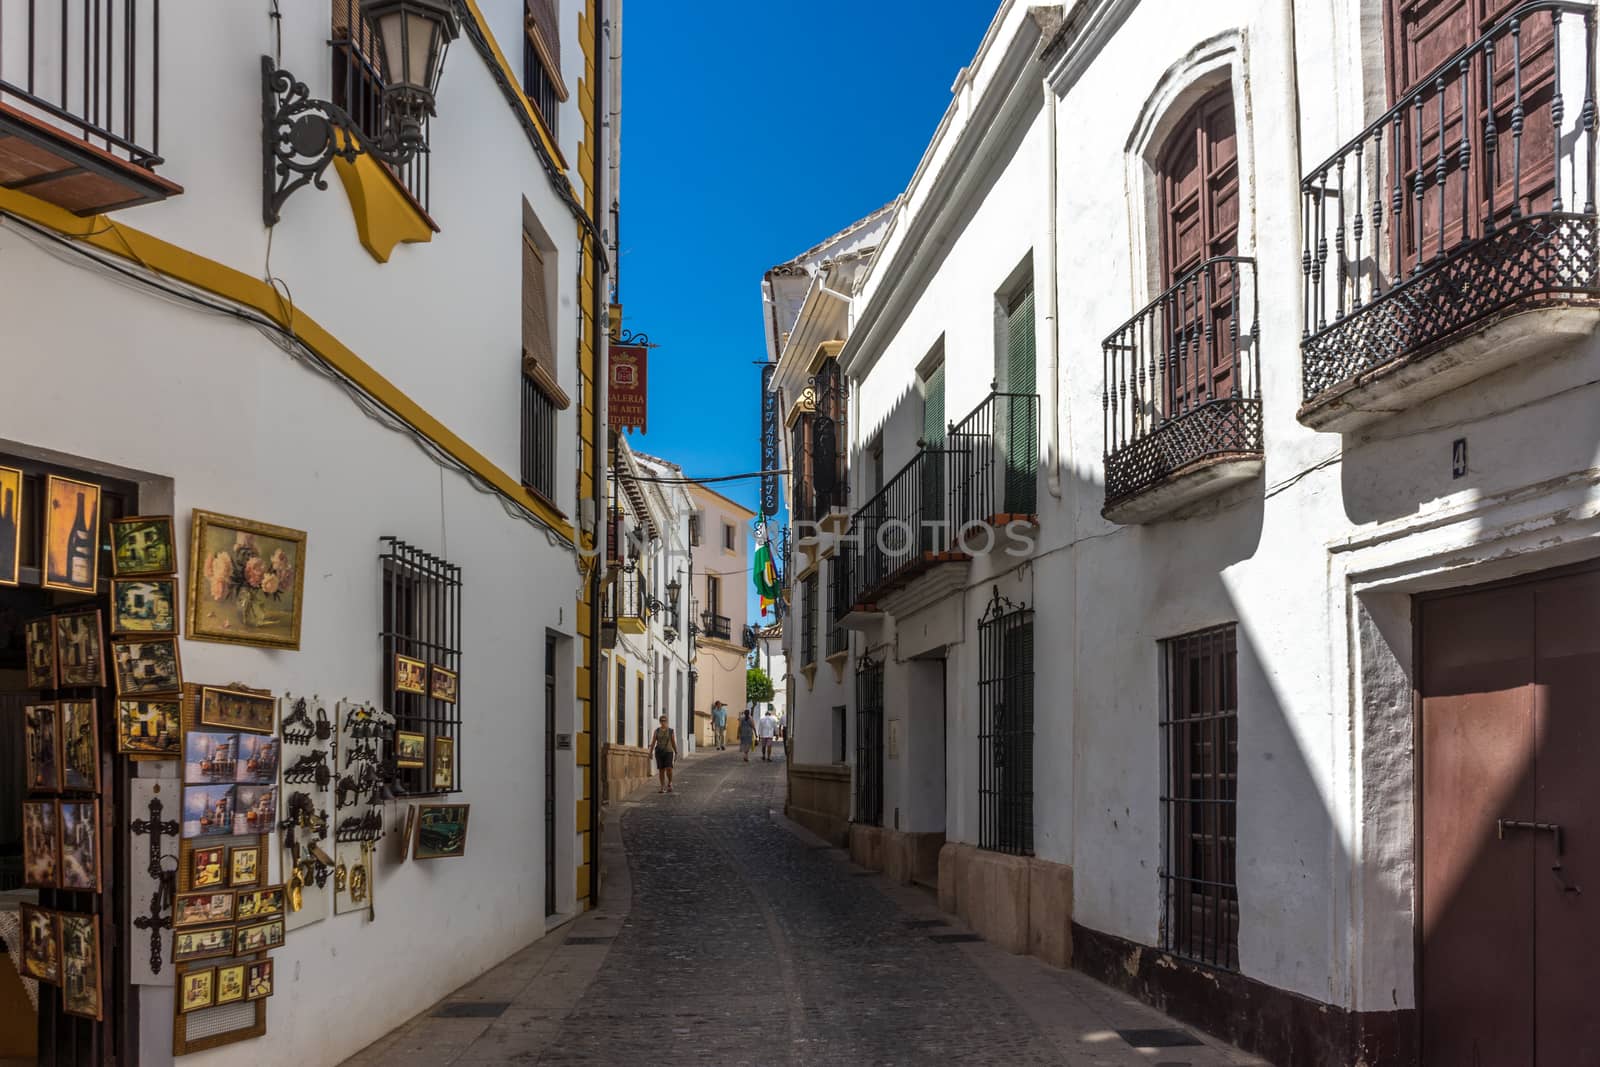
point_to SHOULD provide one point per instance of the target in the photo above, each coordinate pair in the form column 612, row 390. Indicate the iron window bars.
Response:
column 537, row 83
column 539, row 440
column 422, row 620
column 718, row 627
column 838, row 587
column 359, row 89
column 1442, row 215
column 1181, row 383
column 869, row 741
column 808, row 621
column 1005, row 727
column 1199, row 804
column 91, row 66
column 626, row 597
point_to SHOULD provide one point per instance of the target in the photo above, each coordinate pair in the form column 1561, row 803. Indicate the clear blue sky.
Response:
column 749, row 133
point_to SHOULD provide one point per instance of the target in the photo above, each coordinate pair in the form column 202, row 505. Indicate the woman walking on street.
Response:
column 665, row 744
column 747, row 734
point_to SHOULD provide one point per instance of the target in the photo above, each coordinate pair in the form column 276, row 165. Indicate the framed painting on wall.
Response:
column 146, row 667
column 41, row 741
column 80, row 746
column 80, row 964
column 147, row 728
column 41, row 641
column 79, row 658
column 41, row 944
column 80, row 845
column 71, row 535
column 246, row 581
column 144, row 606
column 11, row 526
column 441, row 831
column 41, row 844
column 142, row 545
column 237, row 709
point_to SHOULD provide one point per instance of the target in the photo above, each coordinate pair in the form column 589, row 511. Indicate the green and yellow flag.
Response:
column 763, row 571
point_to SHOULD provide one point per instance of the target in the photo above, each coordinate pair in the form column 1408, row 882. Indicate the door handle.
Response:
column 1554, row 828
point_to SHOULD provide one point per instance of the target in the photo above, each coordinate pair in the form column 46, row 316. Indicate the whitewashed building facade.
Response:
column 1255, row 687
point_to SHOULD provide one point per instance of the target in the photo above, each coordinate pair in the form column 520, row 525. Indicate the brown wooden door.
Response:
column 1199, row 181
column 1509, row 680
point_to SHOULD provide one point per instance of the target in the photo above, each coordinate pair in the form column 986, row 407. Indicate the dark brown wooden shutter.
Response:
column 538, row 348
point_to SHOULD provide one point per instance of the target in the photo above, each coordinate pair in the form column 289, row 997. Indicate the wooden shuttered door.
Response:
column 538, row 346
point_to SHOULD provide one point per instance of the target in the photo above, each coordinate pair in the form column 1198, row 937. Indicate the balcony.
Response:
column 716, row 627
column 80, row 103
column 1458, row 243
column 1182, row 395
column 626, row 604
column 984, row 476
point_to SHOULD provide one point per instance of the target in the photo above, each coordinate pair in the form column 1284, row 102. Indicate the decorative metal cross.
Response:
column 160, row 900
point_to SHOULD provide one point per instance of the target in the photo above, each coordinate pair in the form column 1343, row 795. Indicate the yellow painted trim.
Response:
column 513, row 79
column 385, row 216
column 630, row 624
column 210, row 276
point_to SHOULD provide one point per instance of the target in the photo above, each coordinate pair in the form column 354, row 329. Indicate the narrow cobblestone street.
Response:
column 731, row 937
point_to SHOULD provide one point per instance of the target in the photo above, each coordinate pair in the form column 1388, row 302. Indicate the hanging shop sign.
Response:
column 627, row 409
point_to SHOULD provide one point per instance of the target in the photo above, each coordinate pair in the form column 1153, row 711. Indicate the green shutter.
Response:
column 933, row 479
column 933, row 420
column 1013, row 418
column 1020, row 376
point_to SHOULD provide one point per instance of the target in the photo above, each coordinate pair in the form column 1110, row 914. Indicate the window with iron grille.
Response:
column 808, row 621
column 542, row 396
column 541, row 61
column 422, row 621
column 1005, row 727
column 838, row 641
column 840, row 735
column 1200, row 768
column 621, row 735
column 640, row 716
column 869, row 741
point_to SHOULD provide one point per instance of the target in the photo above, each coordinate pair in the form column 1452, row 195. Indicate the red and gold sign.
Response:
column 627, row 409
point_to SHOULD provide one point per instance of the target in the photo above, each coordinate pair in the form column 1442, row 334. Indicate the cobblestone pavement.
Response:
column 730, row 937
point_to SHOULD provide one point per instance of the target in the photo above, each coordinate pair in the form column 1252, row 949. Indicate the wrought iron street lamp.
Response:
column 302, row 135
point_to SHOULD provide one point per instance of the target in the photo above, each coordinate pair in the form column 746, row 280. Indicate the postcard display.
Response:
column 366, row 731
column 310, row 770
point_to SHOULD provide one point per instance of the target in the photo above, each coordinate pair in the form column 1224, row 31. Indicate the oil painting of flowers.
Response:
column 245, row 581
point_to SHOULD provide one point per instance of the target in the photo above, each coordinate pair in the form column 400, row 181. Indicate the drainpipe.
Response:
column 1053, row 445
column 597, row 318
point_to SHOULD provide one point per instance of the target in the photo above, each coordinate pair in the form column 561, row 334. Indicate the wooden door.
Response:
column 1198, row 173
column 1509, row 829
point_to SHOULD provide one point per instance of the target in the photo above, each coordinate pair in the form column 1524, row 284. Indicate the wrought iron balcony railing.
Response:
column 1182, row 386
column 994, row 460
column 359, row 89
column 719, row 627
column 626, row 601
column 1472, row 197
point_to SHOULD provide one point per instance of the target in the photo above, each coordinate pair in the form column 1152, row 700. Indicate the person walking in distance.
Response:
column 766, row 730
column 719, row 725
column 747, row 734
column 665, row 744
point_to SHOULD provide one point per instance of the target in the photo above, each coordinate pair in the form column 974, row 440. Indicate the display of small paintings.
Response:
column 260, row 903
column 71, row 536
column 41, row 944
column 410, row 675
column 80, row 964
column 41, row 640
column 206, row 868
column 258, row 980
column 208, row 811
column 246, row 581
column 237, row 709
column 147, row 727
column 41, row 742
column 442, row 684
column 147, row 666
column 41, row 844
column 444, row 763
column 244, row 866
column 258, row 809
column 10, row 524
column 79, row 658
column 203, row 944
column 441, row 831
column 230, row 984
column 80, row 845
column 142, row 545
column 144, row 606
column 210, row 756
column 80, row 746
column 204, row 908
column 258, row 759
column 197, row 988
column 259, row 936
column 409, row 748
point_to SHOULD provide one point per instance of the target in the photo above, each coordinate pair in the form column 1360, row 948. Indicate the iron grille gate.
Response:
column 1005, row 727
column 869, row 741
column 422, row 620
column 1200, row 759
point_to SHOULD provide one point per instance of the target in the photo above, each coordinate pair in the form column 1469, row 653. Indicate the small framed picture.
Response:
column 246, row 581
column 441, row 831
column 409, row 748
column 197, row 988
column 259, row 936
column 71, row 537
column 141, row 545
column 444, row 763
column 210, row 756
column 147, row 728
column 204, row 908
column 258, row 980
column 41, row 634
column 442, row 684
column 147, row 666
column 80, row 964
column 258, row 809
column 41, row 844
column 210, row 811
column 410, row 675
column 80, row 845
column 11, row 525
column 41, row 944
column 202, row 944
column 230, row 983
column 80, row 746
column 206, row 867
column 260, row 903
column 41, row 740
column 236, row 709
column 79, row 658
column 144, row 606
column 244, row 865
column 258, row 759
